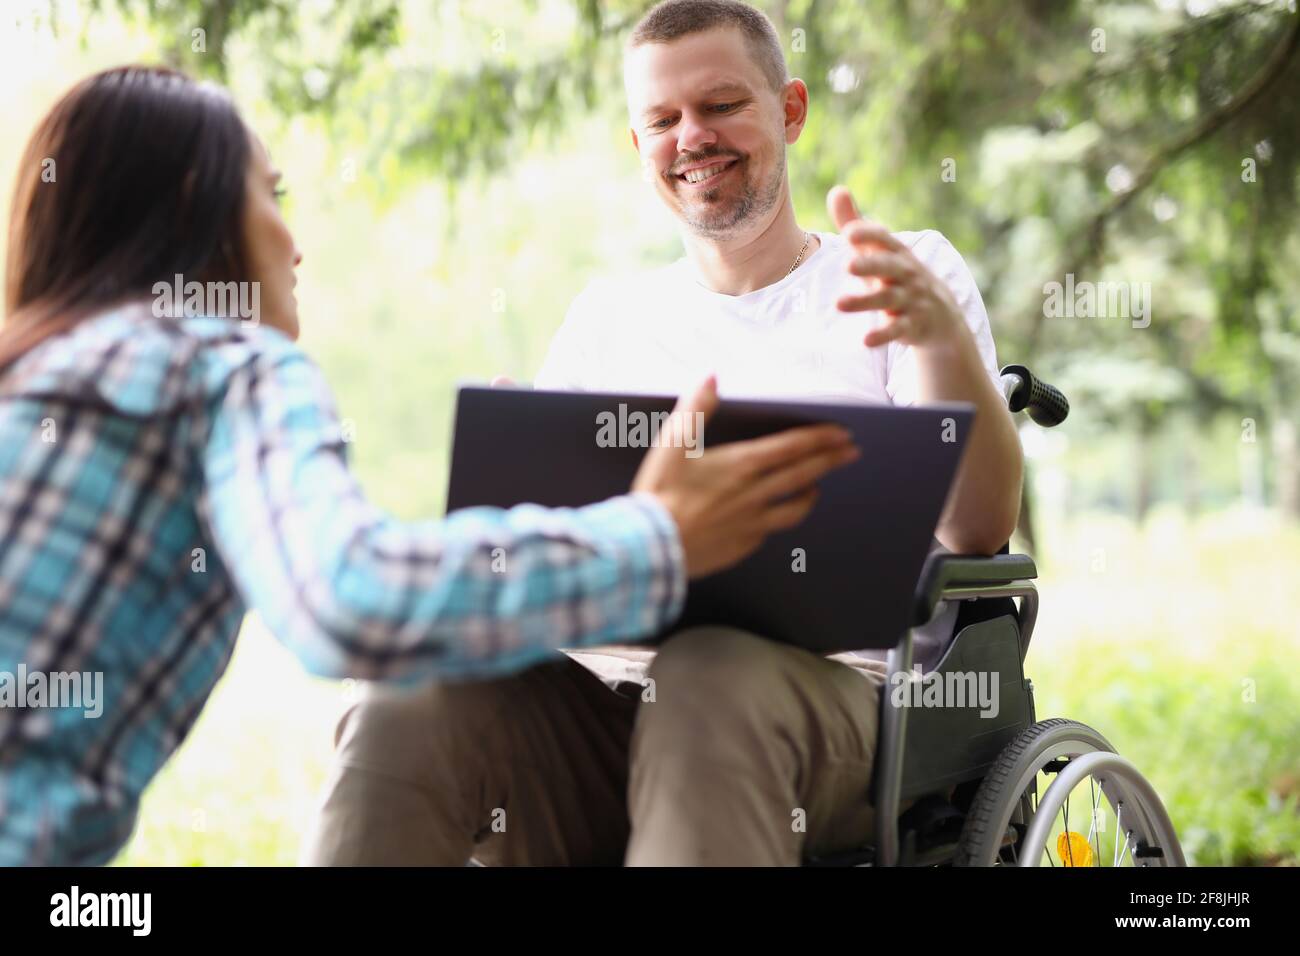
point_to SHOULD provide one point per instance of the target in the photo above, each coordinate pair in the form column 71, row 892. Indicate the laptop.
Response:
column 844, row 579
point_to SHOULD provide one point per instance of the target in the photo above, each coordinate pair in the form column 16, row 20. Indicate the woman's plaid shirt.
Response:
column 159, row 477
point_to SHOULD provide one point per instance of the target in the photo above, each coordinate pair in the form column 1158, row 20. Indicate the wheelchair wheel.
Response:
column 1009, row 824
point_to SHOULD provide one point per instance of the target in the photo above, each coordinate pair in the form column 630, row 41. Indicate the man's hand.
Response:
column 921, row 311
column 919, row 308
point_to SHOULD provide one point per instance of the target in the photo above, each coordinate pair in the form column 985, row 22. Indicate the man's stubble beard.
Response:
column 753, row 204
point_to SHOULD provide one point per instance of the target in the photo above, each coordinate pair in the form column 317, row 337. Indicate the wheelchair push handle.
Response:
column 1045, row 403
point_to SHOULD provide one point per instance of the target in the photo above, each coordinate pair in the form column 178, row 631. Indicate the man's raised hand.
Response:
column 919, row 308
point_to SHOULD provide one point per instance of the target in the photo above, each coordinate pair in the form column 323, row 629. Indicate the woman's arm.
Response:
column 353, row 592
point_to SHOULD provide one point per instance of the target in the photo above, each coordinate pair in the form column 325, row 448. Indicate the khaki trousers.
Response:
column 727, row 750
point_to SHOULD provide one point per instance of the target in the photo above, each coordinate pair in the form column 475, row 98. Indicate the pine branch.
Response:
column 1088, row 242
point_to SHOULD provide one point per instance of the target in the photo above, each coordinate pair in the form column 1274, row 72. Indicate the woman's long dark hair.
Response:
column 136, row 174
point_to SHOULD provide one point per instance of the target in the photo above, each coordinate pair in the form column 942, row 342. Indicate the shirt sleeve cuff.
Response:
column 653, row 553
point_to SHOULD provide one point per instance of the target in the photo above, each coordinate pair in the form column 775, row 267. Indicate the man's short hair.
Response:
column 673, row 19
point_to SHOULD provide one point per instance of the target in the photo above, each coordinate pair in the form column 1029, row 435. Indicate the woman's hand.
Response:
column 730, row 497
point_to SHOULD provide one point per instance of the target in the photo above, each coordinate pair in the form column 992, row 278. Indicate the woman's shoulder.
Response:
column 142, row 364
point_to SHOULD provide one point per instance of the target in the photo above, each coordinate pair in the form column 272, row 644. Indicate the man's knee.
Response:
column 743, row 737
column 725, row 687
column 712, row 656
column 416, row 770
column 724, row 677
column 415, row 733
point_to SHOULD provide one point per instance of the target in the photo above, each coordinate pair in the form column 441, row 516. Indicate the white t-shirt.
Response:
column 662, row 332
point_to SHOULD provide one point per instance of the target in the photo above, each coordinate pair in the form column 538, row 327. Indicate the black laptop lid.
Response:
column 842, row 580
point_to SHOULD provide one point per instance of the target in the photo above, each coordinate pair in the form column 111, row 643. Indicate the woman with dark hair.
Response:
column 165, row 466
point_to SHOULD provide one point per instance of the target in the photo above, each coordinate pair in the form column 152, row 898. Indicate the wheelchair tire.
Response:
column 1003, row 793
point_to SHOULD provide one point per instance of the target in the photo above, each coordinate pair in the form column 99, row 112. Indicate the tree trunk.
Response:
column 1191, row 476
column 1025, row 523
column 1286, row 463
column 1142, row 478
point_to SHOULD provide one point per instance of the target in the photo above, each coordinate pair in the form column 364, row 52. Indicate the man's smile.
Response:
column 705, row 173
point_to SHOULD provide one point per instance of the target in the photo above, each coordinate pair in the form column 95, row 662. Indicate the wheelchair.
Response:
column 1000, row 791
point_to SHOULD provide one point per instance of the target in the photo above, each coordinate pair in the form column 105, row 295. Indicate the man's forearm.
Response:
column 984, row 504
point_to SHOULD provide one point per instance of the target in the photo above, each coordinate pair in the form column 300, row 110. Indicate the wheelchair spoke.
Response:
column 1049, row 764
column 1119, row 828
column 1094, row 830
column 1046, row 850
column 1075, row 849
column 1127, row 837
column 1069, row 844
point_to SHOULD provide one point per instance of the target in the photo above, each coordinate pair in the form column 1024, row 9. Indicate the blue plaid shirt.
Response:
column 159, row 477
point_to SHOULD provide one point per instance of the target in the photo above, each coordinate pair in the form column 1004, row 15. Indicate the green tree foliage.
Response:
column 1106, row 139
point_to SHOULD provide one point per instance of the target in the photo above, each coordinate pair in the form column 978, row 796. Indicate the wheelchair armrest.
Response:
column 943, row 571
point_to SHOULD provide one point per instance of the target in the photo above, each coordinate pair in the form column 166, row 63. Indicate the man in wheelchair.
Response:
column 722, row 747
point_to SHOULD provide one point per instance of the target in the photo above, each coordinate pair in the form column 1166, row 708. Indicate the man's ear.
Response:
column 794, row 105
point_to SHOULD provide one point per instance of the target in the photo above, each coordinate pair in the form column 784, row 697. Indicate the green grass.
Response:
column 1153, row 637
column 1182, row 646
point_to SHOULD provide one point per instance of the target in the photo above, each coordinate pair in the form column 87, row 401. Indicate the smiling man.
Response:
column 776, row 310
column 732, row 749
column 773, row 308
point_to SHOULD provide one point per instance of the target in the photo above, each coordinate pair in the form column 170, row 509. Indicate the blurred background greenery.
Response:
column 458, row 170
